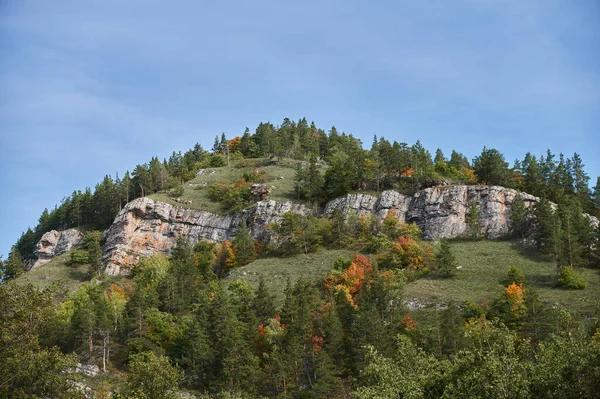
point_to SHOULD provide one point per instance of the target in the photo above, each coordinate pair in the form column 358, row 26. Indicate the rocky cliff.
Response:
column 55, row 243
column 145, row 227
column 440, row 211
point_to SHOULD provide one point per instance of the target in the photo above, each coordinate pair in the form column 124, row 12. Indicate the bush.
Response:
column 570, row 279
column 515, row 275
column 177, row 191
column 233, row 197
column 79, row 257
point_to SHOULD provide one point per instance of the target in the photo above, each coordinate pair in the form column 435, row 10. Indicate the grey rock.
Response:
column 439, row 211
column 55, row 243
column 145, row 227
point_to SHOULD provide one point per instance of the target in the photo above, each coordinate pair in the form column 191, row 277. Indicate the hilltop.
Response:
column 268, row 267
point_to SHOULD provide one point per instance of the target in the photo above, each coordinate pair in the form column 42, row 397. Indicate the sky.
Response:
column 89, row 88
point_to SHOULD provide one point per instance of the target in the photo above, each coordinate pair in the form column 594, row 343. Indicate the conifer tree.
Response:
column 263, row 303
column 519, row 217
column 474, row 225
column 445, row 260
column 243, row 245
column 13, row 266
column 547, row 230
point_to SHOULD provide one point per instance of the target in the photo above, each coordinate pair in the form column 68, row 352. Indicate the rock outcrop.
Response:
column 439, row 211
column 145, row 227
column 55, row 243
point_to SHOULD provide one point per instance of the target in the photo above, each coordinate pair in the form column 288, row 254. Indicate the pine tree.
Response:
column 243, row 245
column 91, row 244
column 445, row 260
column 474, row 225
column 519, row 217
column 547, row 230
column 13, row 266
column 263, row 303
column 491, row 168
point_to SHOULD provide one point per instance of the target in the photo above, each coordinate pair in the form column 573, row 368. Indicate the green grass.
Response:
column 196, row 190
column 483, row 277
column 276, row 271
column 57, row 270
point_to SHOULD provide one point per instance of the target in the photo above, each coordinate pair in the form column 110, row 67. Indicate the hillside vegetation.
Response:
column 342, row 306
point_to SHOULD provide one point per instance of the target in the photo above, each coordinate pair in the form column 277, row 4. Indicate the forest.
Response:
column 178, row 326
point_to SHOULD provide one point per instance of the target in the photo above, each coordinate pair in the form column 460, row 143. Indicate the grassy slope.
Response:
column 57, row 270
column 480, row 280
column 276, row 271
column 483, row 273
column 196, row 190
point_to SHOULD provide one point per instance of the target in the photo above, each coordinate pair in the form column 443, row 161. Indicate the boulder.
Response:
column 260, row 192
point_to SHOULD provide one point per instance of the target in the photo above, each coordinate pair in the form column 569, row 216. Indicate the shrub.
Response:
column 570, row 279
column 79, row 257
column 515, row 275
column 233, row 197
column 177, row 191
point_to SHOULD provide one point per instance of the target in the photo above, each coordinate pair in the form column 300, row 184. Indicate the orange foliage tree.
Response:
column 516, row 298
column 352, row 279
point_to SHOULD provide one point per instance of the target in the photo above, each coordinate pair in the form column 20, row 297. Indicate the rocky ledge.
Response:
column 440, row 211
column 145, row 227
column 55, row 243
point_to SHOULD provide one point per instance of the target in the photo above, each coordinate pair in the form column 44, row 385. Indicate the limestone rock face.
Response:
column 145, row 227
column 54, row 243
column 439, row 211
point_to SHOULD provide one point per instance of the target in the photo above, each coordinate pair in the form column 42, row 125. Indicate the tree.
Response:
column 445, row 260
column 474, row 225
column 491, row 168
column 29, row 370
column 243, row 245
column 547, row 230
column 519, row 217
column 13, row 266
column 263, row 303
column 152, row 377
column 91, row 244
column 596, row 196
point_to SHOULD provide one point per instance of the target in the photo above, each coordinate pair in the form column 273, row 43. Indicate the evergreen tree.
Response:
column 473, row 221
column 519, row 217
column 533, row 180
column 243, row 245
column 263, row 303
column 445, row 260
column 491, row 168
column 547, row 230
column 13, row 266
column 91, row 244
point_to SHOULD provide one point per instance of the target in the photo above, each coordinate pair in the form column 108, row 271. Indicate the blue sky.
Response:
column 89, row 88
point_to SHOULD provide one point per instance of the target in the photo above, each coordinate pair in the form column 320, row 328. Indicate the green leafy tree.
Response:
column 27, row 369
column 152, row 377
